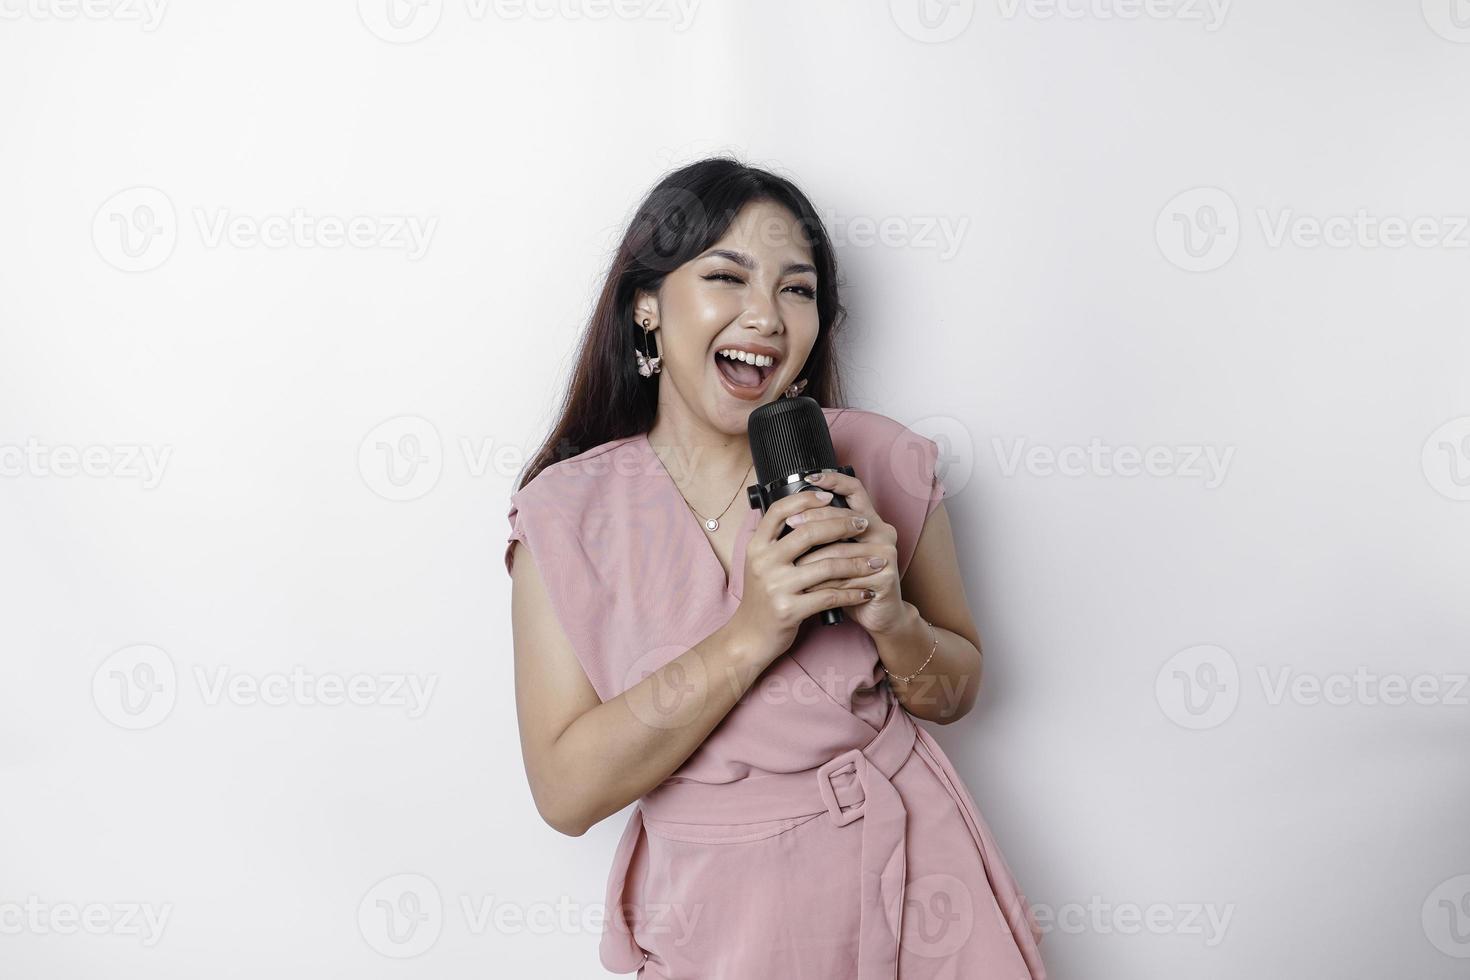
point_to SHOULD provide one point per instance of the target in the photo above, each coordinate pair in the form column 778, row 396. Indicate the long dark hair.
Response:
column 685, row 214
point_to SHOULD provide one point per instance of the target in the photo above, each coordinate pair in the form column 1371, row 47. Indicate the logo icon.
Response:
column 1199, row 687
column 954, row 465
column 1446, row 459
column 674, row 695
column 400, row 21
column 136, row 687
column 1446, row 917
column 1199, row 230
column 932, row 21
column 1450, row 19
column 401, row 916
column 402, row 458
column 938, row 916
column 135, row 230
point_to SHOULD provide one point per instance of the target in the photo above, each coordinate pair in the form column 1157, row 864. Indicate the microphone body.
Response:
column 789, row 441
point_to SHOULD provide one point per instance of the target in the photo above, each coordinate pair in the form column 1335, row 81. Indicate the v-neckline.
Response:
column 737, row 555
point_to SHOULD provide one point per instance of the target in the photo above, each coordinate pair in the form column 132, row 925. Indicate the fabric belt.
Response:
column 853, row 785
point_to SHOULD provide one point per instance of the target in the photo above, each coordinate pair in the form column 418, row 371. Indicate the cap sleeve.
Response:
column 898, row 467
column 549, row 515
column 937, row 489
column 915, row 461
column 517, row 531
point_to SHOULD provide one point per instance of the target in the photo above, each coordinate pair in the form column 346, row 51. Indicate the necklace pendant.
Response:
column 712, row 524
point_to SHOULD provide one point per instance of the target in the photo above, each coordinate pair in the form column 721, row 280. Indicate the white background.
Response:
column 1132, row 747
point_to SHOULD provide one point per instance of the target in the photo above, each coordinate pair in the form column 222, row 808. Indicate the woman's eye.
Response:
column 802, row 290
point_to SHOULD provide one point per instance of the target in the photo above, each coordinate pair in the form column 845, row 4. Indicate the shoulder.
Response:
column 861, row 423
column 574, row 499
column 571, row 501
column 577, row 478
column 898, row 466
column 876, row 440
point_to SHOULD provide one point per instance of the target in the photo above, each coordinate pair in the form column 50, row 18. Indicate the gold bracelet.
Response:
column 926, row 659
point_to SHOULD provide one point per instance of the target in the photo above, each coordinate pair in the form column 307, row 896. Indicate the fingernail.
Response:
column 796, row 519
column 868, row 593
column 823, row 495
column 859, row 523
column 877, row 562
column 816, row 477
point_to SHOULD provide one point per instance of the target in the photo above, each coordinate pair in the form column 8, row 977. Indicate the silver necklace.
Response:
column 713, row 523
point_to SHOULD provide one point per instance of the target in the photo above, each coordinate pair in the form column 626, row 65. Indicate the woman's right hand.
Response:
column 775, row 600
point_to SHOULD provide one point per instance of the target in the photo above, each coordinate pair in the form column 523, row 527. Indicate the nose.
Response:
column 762, row 316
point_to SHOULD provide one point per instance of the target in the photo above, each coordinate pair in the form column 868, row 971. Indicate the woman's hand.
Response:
column 885, row 611
column 779, row 593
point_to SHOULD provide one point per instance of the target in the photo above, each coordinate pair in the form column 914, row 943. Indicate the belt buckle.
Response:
column 825, row 772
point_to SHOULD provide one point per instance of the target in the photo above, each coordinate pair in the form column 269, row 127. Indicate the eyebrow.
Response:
column 747, row 263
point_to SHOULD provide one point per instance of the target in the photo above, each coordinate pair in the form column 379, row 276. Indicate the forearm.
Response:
column 945, row 689
column 624, row 747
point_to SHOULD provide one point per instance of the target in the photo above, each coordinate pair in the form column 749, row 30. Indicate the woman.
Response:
column 792, row 820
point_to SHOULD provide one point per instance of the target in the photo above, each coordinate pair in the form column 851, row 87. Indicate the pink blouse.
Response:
column 725, row 869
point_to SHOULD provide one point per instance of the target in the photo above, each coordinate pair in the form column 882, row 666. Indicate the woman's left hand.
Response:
column 885, row 611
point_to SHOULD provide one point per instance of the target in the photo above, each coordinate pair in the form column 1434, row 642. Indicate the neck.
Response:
column 697, row 455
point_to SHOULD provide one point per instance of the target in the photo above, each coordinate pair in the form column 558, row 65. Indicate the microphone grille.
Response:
column 788, row 436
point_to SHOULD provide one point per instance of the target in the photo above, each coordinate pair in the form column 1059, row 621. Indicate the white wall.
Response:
column 1033, row 296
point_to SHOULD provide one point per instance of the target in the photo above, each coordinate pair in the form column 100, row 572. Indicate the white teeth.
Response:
column 759, row 360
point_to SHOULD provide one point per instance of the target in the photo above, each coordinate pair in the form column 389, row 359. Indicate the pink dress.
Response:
column 818, row 833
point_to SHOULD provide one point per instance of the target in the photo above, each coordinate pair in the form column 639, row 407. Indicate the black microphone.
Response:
column 789, row 440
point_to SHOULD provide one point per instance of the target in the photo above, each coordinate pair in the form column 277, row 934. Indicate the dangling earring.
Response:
column 648, row 365
column 794, row 389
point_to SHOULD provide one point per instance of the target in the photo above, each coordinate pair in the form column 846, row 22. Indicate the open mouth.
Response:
column 745, row 372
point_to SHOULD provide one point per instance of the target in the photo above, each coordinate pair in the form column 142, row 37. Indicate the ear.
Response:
column 645, row 307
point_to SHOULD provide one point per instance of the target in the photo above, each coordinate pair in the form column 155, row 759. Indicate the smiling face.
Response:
column 737, row 321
